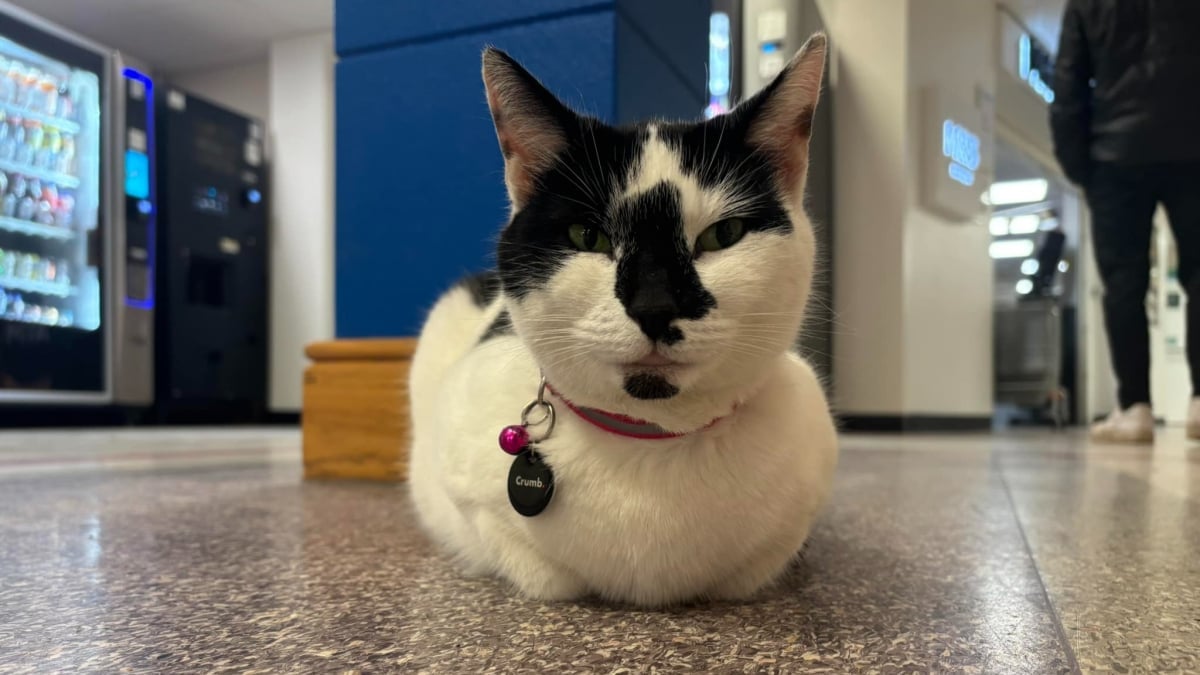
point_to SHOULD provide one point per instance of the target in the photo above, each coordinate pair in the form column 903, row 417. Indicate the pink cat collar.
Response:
column 622, row 425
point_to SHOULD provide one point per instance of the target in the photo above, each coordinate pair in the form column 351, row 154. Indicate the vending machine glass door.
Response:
column 53, row 224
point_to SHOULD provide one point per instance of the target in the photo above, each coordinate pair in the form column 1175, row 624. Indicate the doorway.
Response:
column 1035, row 248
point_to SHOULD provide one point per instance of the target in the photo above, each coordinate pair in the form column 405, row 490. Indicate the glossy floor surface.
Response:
column 203, row 551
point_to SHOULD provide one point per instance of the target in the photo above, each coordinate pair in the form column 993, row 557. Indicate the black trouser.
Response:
column 1123, row 200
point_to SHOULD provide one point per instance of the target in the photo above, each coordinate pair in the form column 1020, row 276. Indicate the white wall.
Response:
column 868, row 82
column 913, row 291
column 301, row 127
column 948, row 274
column 243, row 88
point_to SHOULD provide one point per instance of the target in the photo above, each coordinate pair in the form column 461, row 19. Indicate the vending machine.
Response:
column 77, row 212
column 55, row 214
column 210, row 272
column 750, row 42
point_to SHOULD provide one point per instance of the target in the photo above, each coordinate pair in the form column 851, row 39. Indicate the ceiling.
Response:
column 179, row 35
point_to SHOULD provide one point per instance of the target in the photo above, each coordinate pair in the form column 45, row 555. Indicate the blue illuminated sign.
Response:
column 962, row 148
column 719, row 64
column 1032, row 62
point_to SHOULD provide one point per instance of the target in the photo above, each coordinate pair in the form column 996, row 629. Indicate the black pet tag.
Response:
column 530, row 484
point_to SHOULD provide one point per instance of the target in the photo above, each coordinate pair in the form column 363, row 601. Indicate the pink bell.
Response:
column 514, row 439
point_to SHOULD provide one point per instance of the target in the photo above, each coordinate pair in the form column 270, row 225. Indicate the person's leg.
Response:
column 1122, row 207
column 1182, row 201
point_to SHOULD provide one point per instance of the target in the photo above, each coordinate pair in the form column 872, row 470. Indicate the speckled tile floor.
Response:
column 202, row 551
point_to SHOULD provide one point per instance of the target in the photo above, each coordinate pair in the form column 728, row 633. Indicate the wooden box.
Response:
column 355, row 419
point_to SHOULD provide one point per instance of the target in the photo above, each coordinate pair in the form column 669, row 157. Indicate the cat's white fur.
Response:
column 719, row 512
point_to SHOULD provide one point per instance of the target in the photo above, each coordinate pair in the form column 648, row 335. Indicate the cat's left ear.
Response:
column 779, row 118
column 530, row 122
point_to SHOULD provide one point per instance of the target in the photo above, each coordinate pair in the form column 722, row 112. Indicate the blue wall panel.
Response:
column 648, row 87
column 420, row 195
column 677, row 32
column 366, row 24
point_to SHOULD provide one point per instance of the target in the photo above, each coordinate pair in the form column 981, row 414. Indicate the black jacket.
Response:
column 1127, row 84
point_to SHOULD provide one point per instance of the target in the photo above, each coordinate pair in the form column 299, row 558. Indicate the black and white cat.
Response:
column 656, row 276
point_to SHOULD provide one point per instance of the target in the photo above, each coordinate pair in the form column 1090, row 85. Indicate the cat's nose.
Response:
column 653, row 307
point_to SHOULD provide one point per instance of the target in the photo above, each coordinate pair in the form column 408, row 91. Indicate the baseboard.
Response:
column 282, row 418
column 74, row 417
column 914, row 423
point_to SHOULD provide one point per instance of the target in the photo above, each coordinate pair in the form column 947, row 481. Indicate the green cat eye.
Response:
column 589, row 239
column 722, row 235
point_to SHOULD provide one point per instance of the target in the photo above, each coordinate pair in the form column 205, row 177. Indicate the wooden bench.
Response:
column 355, row 421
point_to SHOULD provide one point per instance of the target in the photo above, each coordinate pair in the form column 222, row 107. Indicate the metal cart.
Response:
column 1029, row 357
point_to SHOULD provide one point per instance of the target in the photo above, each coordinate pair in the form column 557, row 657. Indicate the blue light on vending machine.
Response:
column 138, row 184
column 719, row 64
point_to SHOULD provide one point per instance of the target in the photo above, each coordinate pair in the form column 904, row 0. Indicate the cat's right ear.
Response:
column 530, row 122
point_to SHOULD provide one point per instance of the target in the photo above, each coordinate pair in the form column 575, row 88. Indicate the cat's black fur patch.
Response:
column 483, row 287
column 578, row 190
column 649, row 387
column 501, row 326
column 656, row 280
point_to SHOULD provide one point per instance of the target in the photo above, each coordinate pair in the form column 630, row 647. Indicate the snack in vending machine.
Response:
column 33, row 313
column 47, row 155
column 16, row 305
column 26, row 208
column 12, row 82
column 28, row 93
column 9, row 265
column 25, row 264
column 14, row 138
column 44, row 270
column 66, row 156
column 34, row 136
column 50, row 316
column 45, row 213
column 8, row 206
column 49, row 94
column 63, row 272
column 63, row 214
column 66, row 107
column 3, row 182
column 3, row 302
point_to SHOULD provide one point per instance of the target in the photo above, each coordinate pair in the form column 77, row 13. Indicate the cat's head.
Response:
column 658, row 270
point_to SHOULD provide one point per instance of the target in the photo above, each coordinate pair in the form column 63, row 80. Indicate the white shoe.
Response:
column 1193, row 422
column 1135, row 425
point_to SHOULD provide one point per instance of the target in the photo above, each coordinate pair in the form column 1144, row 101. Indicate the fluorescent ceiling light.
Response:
column 1024, row 286
column 1011, row 248
column 998, row 226
column 1018, row 191
column 1026, row 224
column 1030, row 267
